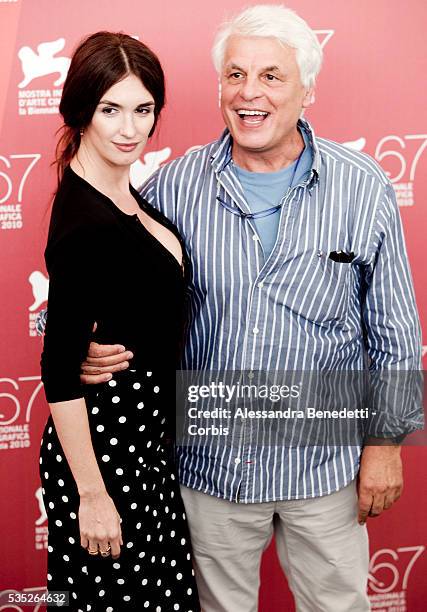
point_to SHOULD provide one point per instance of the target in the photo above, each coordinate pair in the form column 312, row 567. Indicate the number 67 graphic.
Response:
column 5, row 418
column 390, row 566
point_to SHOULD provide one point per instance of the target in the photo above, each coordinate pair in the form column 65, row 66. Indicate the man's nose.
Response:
column 250, row 88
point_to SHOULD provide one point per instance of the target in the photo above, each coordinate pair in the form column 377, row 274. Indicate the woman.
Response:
column 118, row 538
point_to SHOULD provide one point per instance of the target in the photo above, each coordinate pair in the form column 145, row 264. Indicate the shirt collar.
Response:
column 221, row 153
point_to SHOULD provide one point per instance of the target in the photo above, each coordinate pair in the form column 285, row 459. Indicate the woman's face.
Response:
column 121, row 123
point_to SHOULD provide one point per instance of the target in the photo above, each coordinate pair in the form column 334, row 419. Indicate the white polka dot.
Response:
column 161, row 495
column 144, row 582
column 73, row 515
column 120, row 581
column 100, row 428
column 153, row 558
column 126, row 488
column 136, row 568
column 115, row 399
column 95, row 410
column 64, row 498
column 66, row 557
column 167, row 509
column 113, row 441
column 131, row 448
column 122, row 419
column 70, row 580
column 46, row 475
column 129, row 545
column 142, row 428
column 163, row 559
column 84, row 569
column 159, row 582
column 50, row 549
column 179, row 576
column 168, row 593
column 189, row 591
column 146, row 604
column 112, row 383
column 148, row 443
column 138, row 525
column 148, row 537
column 105, row 458
column 119, row 472
column 59, row 458
column 136, row 385
column 172, row 534
column 110, row 609
column 155, row 413
column 133, row 506
column 141, row 555
column 173, row 563
column 61, row 482
column 74, row 595
column 183, row 541
column 59, row 523
column 140, row 405
column 71, row 540
column 101, row 593
column 98, row 579
column 51, row 505
column 49, row 577
column 188, row 556
column 176, row 607
column 126, row 598
column 160, row 538
column 49, row 430
column 148, row 374
column 116, row 565
column 156, row 389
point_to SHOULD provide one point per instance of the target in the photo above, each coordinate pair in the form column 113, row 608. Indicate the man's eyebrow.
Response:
column 115, row 105
column 265, row 69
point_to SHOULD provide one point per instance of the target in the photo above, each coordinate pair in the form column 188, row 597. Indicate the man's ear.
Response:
column 309, row 98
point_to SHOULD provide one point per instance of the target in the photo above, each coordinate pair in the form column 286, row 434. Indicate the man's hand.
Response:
column 380, row 480
column 102, row 360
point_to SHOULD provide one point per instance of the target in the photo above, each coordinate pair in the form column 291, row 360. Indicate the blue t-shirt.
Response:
column 264, row 190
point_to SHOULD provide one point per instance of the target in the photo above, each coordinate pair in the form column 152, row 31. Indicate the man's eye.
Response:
column 236, row 76
column 270, row 77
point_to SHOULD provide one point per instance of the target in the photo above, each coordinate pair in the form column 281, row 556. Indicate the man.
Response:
column 298, row 264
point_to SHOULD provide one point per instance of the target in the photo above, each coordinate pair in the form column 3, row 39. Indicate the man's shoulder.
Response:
column 185, row 167
column 351, row 154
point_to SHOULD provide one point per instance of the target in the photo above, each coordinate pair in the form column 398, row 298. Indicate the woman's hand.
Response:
column 99, row 524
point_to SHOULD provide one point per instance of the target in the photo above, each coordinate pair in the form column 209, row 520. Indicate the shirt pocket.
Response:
column 320, row 290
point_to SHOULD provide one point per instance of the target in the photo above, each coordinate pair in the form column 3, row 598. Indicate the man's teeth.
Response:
column 252, row 112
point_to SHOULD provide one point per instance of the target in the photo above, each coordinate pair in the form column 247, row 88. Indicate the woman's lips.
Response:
column 126, row 148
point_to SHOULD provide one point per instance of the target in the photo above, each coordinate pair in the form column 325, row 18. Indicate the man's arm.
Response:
column 394, row 348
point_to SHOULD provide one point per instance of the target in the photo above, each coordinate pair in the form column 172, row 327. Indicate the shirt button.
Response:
column 237, row 460
column 260, row 285
column 255, row 237
column 251, row 375
column 255, row 330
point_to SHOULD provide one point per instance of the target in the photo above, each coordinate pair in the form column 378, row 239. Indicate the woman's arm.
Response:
column 98, row 518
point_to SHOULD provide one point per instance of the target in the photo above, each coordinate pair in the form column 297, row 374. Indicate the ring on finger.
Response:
column 106, row 552
column 92, row 552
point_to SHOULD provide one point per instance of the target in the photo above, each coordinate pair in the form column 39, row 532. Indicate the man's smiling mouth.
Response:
column 254, row 117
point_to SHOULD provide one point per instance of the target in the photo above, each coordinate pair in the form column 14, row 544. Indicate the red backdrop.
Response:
column 370, row 94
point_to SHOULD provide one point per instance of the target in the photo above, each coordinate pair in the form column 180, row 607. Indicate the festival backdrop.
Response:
column 371, row 94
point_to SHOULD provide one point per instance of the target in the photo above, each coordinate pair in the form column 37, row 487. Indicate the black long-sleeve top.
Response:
column 104, row 266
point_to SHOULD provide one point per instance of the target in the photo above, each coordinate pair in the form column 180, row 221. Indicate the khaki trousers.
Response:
column 321, row 547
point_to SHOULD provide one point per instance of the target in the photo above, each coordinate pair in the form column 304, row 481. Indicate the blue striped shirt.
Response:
column 296, row 310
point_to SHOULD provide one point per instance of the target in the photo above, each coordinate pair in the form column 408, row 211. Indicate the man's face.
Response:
column 261, row 94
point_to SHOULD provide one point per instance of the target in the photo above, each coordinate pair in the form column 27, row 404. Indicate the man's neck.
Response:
column 269, row 161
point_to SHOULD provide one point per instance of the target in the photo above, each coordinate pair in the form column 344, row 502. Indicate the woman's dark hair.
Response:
column 99, row 62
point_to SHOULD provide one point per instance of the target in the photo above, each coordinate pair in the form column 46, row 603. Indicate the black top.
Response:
column 105, row 266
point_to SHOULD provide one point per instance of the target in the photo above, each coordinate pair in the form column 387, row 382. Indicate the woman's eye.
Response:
column 109, row 110
column 143, row 110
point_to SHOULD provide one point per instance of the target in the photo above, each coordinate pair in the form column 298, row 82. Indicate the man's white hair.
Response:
column 273, row 21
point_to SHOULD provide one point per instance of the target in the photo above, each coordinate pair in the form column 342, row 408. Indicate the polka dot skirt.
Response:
column 129, row 425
